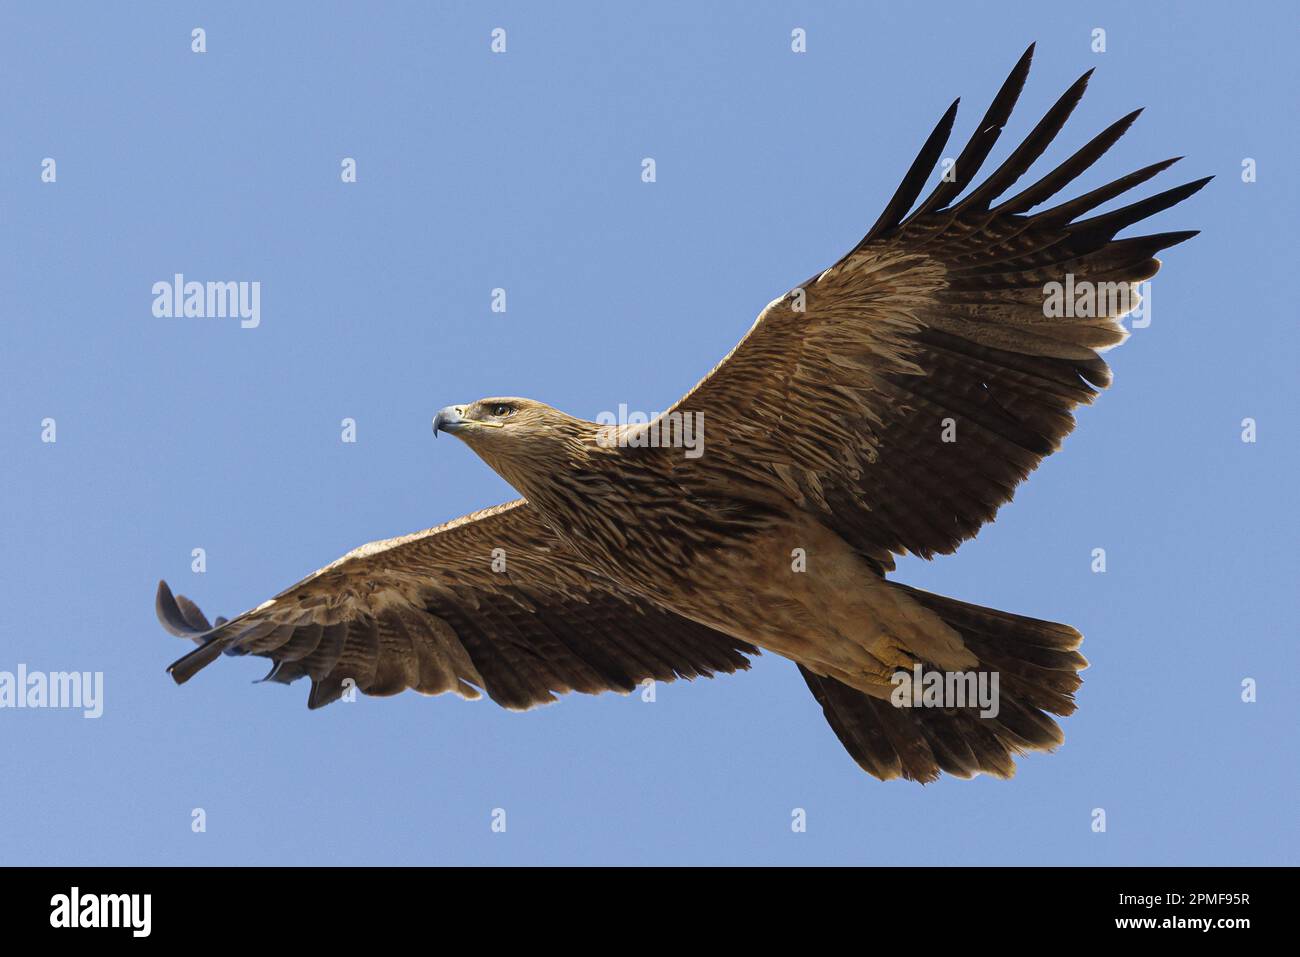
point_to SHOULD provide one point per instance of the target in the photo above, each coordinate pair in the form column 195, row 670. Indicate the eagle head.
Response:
column 516, row 437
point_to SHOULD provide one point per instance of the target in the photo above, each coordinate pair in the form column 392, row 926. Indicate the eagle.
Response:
column 889, row 405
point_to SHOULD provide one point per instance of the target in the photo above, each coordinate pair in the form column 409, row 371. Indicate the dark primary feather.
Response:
column 981, row 144
column 917, row 173
column 1032, row 147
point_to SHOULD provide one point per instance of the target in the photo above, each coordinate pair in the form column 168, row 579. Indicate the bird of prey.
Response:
column 889, row 405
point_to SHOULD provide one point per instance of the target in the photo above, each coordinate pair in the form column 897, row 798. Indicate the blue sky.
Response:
column 522, row 171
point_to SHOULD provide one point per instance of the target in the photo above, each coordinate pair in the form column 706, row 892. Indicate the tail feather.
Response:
column 1037, row 665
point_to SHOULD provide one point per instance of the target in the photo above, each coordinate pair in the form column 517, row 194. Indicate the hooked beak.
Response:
column 449, row 420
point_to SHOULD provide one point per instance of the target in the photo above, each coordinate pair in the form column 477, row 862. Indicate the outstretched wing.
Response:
column 492, row 601
column 908, row 389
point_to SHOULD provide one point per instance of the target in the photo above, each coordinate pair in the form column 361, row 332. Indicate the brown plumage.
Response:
column 890, row 404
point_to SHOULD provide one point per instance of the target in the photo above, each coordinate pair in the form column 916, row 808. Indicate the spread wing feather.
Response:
column 905, row 391
column 427, row 611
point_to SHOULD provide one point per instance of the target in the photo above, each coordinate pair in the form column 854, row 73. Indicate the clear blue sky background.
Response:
column 522, row 171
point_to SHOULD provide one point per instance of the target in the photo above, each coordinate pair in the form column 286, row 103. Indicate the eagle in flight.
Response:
column 890, row 404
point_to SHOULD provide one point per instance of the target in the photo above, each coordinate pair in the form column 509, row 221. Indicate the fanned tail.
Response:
column 1036, row 665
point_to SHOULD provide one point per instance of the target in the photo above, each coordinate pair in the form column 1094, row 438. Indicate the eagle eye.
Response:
column 500, row 410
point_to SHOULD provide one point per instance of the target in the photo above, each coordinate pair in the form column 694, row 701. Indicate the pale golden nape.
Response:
column 890, row 404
